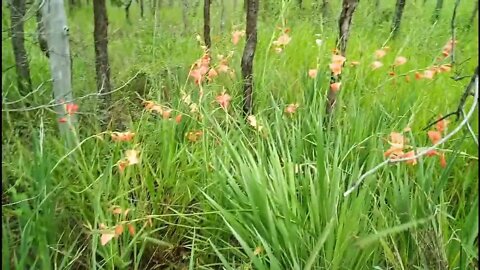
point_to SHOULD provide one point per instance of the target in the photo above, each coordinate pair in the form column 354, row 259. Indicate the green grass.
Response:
column 239, row 198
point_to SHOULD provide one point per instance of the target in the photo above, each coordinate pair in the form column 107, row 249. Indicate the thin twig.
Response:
column 24, row 97
column 425, row 150
column 454, row 15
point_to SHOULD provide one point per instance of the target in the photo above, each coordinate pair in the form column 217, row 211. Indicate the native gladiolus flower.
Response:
column 445, row 68
column 441, row 125
column 194, row 136
column 131, row 229
column 447, row 49
column 252, row 120
column 132, row 157
column 178, row 119
column 391, row 73
column 282, row 40
column 400, row 61
column 338, row 59
column 336, row 68
column 71, row 108
column 376, row 64
column 223, row 100
column 212, row 73
column 106, row 237
column 397, row 144
column 122, row 164
column 428, row 74
column 410, row 154
column 118, row 230
column 236, row 35
column 443, row 161
column 335, row 86
column 312, row 73
column 291, row 108
column 407, row 78
column 380, row 53
column 122, row 136
column 434, row 136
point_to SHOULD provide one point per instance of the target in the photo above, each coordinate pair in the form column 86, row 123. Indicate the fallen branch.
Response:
column 427, row 149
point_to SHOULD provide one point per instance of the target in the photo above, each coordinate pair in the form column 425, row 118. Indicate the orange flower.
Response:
column 428, row 74
column 131, row 229
column 252, row 121
column 71, row 108
column 391, row 73
column 106, row 237
column 443, row 161
column 212, row 73
column 445, row 68
column 282, row 40
column 407, row 78
column 236, row 35
column 335, row 86
column 122, row 136
column 291, row 108
column 118, row 230
column 132, row 156
column 122, row 164
column 178, row 118
column 224, row 100
column 312, row 73
column 441, row 125
column 166, row 114
column 434, row 136
column 62, row 120
column 400, row 61
column 194, row 136
column 376, row 64
column 418, row 75
column 336, row 68
column 431, row 153
column 380, row 53
column 397, row 139
column 338, row 59
column 410, row 154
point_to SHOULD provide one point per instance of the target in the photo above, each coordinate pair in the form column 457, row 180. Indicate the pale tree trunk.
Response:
column 206, row 24
column 56, row 28
column 437, row 11
column 185, row 16
column 472, row 18
column 17, row 15
column 196, row 4
column 344, row 23
column 102, row 67
column 397, row 19
column 235, row 4
column 222, row 16
column 41, row 36
column 248, row 55
column 141, row 9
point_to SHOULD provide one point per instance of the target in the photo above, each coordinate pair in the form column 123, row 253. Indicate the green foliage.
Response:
column 239, row 198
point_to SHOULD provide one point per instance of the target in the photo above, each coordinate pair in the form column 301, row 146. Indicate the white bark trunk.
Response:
column 56, row 29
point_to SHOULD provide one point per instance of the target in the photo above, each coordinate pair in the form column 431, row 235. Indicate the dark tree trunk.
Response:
column 475, row 12
column 102, row 67
column 41, row 35
column 344, row 23
column 141, row 9
column 127, row 10
column 438, row 9
column 249, row 54
column 17, row 14
column 206, row 24
column 397, row 19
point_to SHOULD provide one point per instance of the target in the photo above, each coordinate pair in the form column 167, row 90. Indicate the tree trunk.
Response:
column 102, row 67
column 41, row 36
column 17, row 14
column 249, row 54
column 436, row 12
column 206, row 24
column 185, row 16
column 300, row 4
column 141, row 9
column 344, row 23
column 325, row 8
column 127, row 10
column 153, row 7
column 235, row 4
column 56, row 28
column 397, row 19
column 475, row 11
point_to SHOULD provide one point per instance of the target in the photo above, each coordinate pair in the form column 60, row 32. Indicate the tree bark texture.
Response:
column 344, row 23
column 56, row 28
column 206, row 24
column 102, row 66
column 249, row 54
column 397, row 19
column 41, row 36
column 17, row 15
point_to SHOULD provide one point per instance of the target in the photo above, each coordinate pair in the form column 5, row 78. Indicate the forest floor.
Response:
column 198, row 187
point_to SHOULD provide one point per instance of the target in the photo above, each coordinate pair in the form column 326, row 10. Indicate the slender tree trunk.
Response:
column 17, row 13
column 325, row 8
column 196, row 4
column 206, row 24
column 127, row 10
column 153, row 7
column 235, row 4
column 41, row 36
column 397, row 19
column 56, row 28
column 222, row 16
column 102, row 66
column 344, row 23
column 300, row 4
column 472, row 18
column 141, row 9
column 437, row 11
column 249, row 54
column 185, row 16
